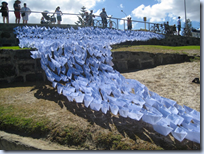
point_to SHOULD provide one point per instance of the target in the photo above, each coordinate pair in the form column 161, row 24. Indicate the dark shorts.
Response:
column 4, row 14
column 59, row 18
column 104, row 20
column 17, row 14
column 179, row 27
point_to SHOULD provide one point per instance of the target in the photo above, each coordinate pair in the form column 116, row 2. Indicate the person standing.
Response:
column 25, row 12
column 179, row 25
column 5, row 10
column 110, row 23
column 17, row 9
column 128, row 23
column 59, row 15
column 86, row 18
column 103, row 17
column 91, row 16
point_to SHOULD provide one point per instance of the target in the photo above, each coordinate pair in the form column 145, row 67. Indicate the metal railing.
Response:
column 118, row 23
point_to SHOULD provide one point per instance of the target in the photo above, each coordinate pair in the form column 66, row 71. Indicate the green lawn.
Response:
column 139, row 46
column 142, row 48
column 189, row 50
column 13, row 48
column 159, row 47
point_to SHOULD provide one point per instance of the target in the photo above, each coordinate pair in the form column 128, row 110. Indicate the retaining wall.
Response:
column 124, row 61
column 17, row 65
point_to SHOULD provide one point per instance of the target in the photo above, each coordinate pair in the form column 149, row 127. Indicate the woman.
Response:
column 25, row 12
column 5, row 10
column 17, row 9
column 59, row 13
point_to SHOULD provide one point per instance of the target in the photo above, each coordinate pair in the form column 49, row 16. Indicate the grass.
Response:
column 13, row 48
column 155, row 48
column 132, row 48
column 21, row 115
column 13, row 119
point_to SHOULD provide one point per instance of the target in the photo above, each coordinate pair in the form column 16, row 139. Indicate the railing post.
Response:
column 124, row 24
column 149, row 26
column 117, row 23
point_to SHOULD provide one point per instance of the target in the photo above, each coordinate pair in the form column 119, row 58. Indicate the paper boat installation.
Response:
column 79, row 64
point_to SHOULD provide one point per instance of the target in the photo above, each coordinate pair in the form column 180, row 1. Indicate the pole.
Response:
column 117, row 24
column 185, row 9
column 124, row 24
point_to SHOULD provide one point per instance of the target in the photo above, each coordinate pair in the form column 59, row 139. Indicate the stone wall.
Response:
column 125, row 61
column 17, row 65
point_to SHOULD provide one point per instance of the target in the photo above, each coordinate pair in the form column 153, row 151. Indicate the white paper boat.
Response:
column 150, row 101
column 179, row 134
column 95, row 106
column 175, row 119
column 164, row 130
column 136, row 115
column 105, row 107
column 187, row 117
column 114, row 109
column 87, row 100
column 79, row 98
column 123, row 112
column 151, row 118
column 192, row 135
column 164, row 111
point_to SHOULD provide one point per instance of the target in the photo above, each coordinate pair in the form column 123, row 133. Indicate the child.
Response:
column 59, row 13
column 4, row 10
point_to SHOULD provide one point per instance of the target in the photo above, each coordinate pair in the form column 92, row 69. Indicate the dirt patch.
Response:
column 172, row 81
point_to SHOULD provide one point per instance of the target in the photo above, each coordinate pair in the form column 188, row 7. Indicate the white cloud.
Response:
column 121, row 6
column 66, row 6
column 169, row 8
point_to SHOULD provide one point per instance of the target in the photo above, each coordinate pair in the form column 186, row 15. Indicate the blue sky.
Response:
column 156, row 11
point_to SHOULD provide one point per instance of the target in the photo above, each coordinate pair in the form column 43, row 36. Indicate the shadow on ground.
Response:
column 135, row 130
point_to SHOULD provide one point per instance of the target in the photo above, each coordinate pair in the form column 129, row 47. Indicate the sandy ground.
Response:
column 172, row 81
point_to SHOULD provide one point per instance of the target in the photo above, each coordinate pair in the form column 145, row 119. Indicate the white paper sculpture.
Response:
column 79, row 65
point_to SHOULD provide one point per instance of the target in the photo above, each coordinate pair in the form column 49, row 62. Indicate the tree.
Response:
column 81, row 17
column 188, row 28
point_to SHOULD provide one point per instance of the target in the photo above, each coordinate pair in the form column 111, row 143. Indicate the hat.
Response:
column 103, row 8
column 17, row 1
column 179, row 17
column 4, row 3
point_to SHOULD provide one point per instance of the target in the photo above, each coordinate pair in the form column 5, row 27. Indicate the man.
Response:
column 25, row 12
column 17, row 9
column 179, row 25
column 103, row 17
